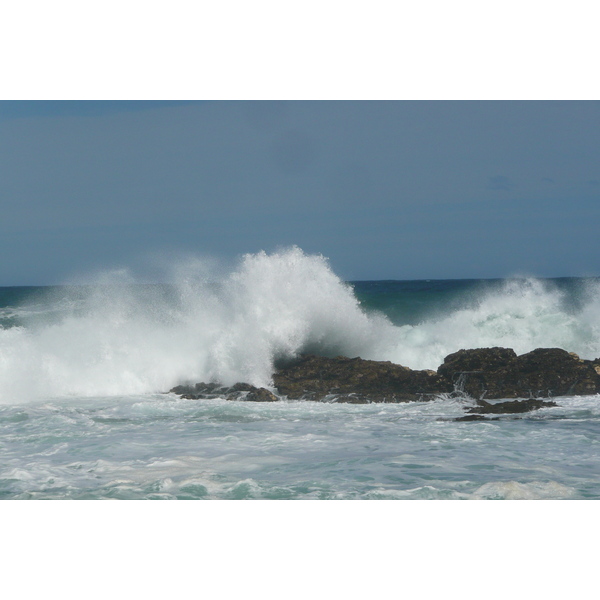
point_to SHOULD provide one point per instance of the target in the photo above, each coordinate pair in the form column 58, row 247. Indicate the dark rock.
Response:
column 200, row 391
column 356, row 380
column 260, row 395
column 492, row 373
column 183, row 389
column 499, row 373
column 475, row 361
column 510, row 407
column 477, row 418
column 359, row 399
column 242, row 387
column 239, row 391
column 483, row 408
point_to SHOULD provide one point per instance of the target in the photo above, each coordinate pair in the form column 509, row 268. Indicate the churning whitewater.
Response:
column 120, row 338
column 84, row 371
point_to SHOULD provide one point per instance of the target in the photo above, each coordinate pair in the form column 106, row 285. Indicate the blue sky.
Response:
column 385, row 190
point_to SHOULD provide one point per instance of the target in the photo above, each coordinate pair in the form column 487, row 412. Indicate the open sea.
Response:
column 85, row 371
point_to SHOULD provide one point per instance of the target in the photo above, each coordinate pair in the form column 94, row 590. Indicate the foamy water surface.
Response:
column 162, row 447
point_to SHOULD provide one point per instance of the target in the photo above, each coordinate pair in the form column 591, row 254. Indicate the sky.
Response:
column 384, row 189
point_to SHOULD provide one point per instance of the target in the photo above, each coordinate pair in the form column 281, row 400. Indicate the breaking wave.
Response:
column 522, row 314
column 117, row 338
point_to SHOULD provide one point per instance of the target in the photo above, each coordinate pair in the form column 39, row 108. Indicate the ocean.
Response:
column 86, row 369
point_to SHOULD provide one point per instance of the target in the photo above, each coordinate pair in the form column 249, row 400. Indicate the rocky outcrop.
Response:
column 356, row 380
column 499, row 373
column 490, row 373
column 239, row 391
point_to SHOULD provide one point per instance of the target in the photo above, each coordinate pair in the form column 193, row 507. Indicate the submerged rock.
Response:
column 476, row 418
column 510, row 407
column 483, row 408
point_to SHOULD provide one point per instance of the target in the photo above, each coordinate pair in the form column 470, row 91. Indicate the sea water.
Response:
column 85, row 371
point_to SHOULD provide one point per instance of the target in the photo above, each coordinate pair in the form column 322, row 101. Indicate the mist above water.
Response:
column 120, row 338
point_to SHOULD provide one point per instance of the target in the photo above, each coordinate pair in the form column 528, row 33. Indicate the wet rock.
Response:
column 242, row 387
column 239, row 391
column 491, row 373
column 476, row 361
column 477, row 418
column 510, row 407
column 200, row 391
column 496, row 373
column 260, row 395
column 356, row 380
column 483, row 408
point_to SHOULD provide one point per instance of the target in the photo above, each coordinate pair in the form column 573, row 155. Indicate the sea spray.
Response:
column 522, row 314
column 118, row 337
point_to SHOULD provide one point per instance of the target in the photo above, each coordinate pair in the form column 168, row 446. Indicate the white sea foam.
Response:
column 514, row 490
column 117, row 341
column 121, row 339
column 525, row 314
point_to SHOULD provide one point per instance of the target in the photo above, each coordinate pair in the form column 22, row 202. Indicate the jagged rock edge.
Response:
column 491, row 373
